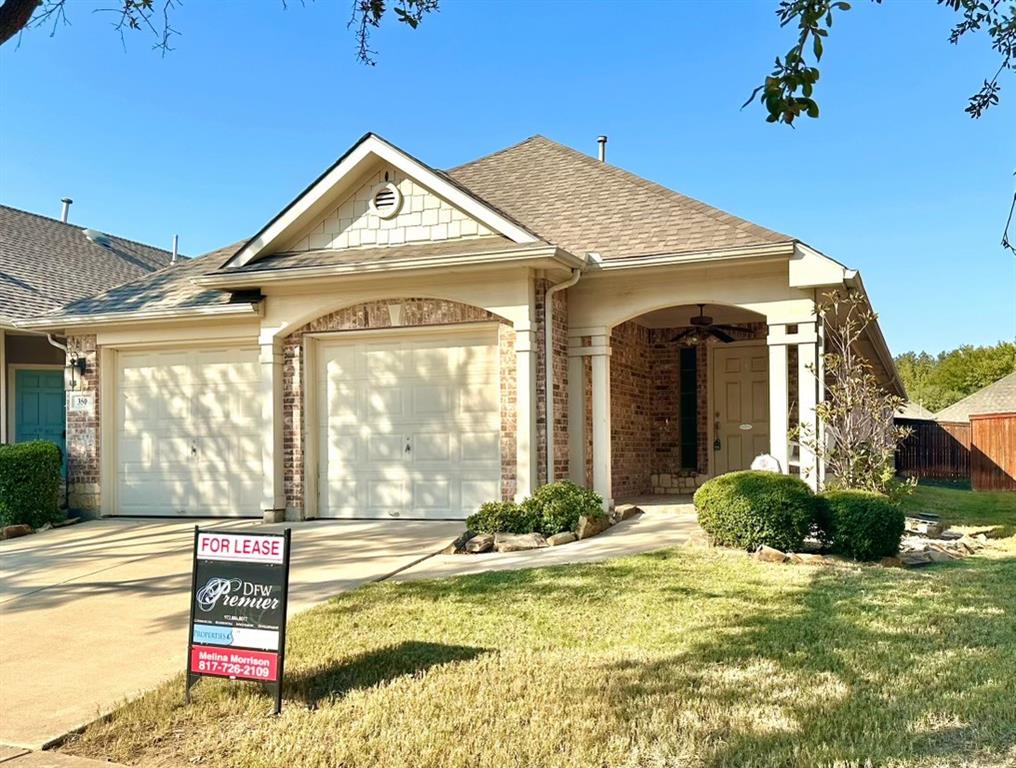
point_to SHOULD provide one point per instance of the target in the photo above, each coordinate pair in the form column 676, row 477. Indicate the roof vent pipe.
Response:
column 66, row 209
column 602, row 141
column 176, row 248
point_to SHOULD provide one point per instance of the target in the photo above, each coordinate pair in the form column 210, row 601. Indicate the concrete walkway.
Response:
column 667, row 521
column 14, row 757
column 94, row 614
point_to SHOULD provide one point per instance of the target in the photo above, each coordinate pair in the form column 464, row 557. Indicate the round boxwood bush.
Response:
column 30, row 484
column 502, row 517
column 748, row 509
column 557, row 507
column 861, row 524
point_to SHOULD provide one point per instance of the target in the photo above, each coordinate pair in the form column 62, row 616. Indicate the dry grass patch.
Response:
column 678, row 658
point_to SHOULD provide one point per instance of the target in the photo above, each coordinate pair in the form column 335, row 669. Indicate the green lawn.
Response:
column 960, row 506
column 682, row 658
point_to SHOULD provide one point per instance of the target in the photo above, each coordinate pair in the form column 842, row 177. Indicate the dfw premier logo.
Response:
column 247, row 609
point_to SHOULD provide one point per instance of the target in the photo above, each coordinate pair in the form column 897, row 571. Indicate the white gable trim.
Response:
column 314, row 200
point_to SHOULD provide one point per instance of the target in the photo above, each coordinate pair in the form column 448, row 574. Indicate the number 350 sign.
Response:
column 238, row 608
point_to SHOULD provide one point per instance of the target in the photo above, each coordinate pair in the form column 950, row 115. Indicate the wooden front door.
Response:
column 39, row 407
column 740, row 406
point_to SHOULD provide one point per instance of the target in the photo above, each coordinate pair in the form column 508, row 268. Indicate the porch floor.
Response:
column 667, row 521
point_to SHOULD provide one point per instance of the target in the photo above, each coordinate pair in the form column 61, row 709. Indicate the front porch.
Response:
column 659, row 405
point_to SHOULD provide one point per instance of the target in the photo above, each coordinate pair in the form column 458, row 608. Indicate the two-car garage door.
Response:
column 407, row 425
column 188, row 433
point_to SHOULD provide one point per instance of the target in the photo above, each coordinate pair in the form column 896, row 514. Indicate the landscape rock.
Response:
column 939, row 555
column 590, row 526
column 930, row 528
column 770, row 555
column 625, row 512
column 891, row 562
column 458, row 546
column 805, row 558
column 565, row 537
column 518, row 542
column 910, row 559
column 14, row 531
column 480, row 543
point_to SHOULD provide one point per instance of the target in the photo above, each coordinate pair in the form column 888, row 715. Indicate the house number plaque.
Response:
column 81, row 402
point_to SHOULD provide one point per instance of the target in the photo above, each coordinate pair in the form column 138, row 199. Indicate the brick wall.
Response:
column 631, row 410
column 83, row 439
column 412, row 312
column 559, row 383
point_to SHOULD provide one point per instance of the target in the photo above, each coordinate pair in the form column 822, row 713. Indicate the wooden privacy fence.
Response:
column 993, row 452
column 939, row 450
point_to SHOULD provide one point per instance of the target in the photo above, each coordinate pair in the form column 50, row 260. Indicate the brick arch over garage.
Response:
column 383, row 314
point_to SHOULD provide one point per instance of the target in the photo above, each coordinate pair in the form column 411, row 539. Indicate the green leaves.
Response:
column 787, row 92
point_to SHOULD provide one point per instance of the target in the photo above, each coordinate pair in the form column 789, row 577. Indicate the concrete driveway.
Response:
column 96, row 613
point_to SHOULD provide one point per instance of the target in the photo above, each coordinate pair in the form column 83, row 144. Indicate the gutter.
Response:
column 774, row 250
column 236, row 279
column 548, row 364
column 112, row 318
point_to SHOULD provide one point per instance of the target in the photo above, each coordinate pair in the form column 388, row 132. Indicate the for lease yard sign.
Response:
column 238, row 596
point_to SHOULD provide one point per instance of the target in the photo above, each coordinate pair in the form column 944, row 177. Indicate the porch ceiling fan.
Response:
column 702, row 328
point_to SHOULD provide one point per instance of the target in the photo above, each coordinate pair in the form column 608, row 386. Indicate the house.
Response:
column 401, row 341
column 44, row 264
column 999, row 397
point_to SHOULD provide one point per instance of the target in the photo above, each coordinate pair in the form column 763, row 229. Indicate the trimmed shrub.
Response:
column 748, row 509
column 557, row 507
column 30, row 484
column 861, row 524
column 502, row 517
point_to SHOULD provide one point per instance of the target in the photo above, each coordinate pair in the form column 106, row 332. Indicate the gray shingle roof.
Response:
column 914, row 411
column 580, row 204
column 169, row 288
column 45, row 263
column 999, row 397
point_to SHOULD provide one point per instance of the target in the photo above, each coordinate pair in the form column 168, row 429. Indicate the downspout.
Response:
column 548, row 357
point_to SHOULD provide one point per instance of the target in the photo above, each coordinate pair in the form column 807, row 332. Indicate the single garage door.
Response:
column 188, row 433
column 409, row 423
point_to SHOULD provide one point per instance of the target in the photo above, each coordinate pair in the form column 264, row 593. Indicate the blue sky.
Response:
column 255, row 101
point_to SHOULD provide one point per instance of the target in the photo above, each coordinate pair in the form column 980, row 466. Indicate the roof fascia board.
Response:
column 774, row 250
column 310, row 200
column 58, row 322
column 473, row 260
column 812, row 269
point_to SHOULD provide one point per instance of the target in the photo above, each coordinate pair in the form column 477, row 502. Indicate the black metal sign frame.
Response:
column 227, row 583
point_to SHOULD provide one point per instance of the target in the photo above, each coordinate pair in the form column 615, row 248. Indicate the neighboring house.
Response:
column 44, row 264
column 380, row 347
column 999, row 397
column 910, row 411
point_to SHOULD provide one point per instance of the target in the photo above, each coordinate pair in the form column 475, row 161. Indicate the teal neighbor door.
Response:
column 39, row 407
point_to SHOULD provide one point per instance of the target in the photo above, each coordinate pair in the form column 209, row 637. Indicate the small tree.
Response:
column 859, row 437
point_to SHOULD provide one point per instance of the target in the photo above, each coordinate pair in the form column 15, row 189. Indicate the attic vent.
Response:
column 386, row 201
column 99, row 238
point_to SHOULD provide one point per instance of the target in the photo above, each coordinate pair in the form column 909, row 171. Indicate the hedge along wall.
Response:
column 30, row 483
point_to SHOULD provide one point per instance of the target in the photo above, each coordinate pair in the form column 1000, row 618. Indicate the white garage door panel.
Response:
column 188, row 433
column 409, row 425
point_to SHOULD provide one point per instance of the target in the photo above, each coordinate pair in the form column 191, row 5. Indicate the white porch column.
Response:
column 600, row 353
column 525, row 410
column 273, row 496
column 576, row 413
column 779, row 423
column 807, row 398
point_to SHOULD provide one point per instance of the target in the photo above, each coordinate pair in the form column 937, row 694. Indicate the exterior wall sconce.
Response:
column 76, row 366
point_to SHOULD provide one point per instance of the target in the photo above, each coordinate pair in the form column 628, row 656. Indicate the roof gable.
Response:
column 342, row 180
column 419, row 216
column 581, row 204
